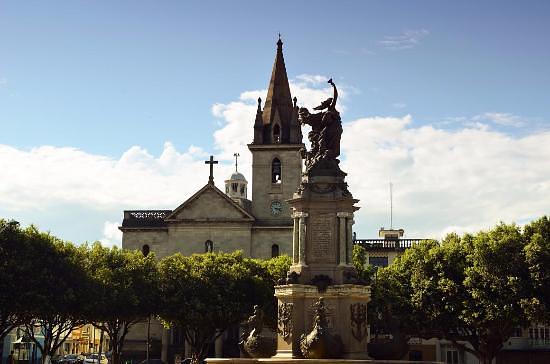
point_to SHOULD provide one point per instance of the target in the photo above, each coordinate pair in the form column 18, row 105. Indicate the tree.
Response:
column 58, row 290
column 204, row 294
column 537, row 255
column 15, row 268
column 365, row 271
column 125, row 292
column 464, row 289
column 271, row 272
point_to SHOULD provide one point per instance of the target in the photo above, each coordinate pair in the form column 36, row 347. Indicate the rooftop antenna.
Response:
column 236, row 155
column 391, row 206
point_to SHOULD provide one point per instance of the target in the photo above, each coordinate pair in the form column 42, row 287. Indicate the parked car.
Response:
column 93, row 359
column 71, row 359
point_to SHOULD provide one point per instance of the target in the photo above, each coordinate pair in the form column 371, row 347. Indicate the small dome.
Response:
column 236, row 176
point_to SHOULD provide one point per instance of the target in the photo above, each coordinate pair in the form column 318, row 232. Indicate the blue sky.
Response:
column 101, row 77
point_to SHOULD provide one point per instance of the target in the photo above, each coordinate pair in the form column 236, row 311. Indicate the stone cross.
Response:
column 237, row 155
column 211, row 161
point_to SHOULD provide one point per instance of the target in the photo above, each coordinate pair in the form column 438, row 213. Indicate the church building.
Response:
column 215, row 220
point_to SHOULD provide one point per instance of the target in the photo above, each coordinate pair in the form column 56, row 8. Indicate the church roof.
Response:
column 236, row 212
column 278, row 92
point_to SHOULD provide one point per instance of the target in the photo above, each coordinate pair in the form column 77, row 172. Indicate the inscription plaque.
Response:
column 321, row 248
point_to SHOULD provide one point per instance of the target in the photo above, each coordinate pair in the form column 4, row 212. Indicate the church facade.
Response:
column 215, row 220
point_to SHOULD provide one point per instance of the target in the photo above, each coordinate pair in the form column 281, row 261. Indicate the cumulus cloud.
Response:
column 444, row 180
column 501, row 118
column 459, row 180
column 406, row 40
column 112, row 236
column 37, row 178
column 47, row 177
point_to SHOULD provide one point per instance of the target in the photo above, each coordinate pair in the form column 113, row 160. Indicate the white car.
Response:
column 92, row 359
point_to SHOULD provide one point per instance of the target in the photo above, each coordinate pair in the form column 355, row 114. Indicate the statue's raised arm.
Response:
column 335, row 97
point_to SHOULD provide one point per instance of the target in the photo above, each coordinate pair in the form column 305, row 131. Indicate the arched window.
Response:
column 276, row 171
column 145, row 250
column 208, row 246
column 276, row 134
column 242, row 190
column 274, row 250
column 234, row 186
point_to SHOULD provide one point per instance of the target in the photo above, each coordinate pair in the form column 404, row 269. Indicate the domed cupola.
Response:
column 236, row 185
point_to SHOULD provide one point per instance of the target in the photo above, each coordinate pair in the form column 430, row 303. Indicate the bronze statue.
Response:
column 319, row 343
column 326, row 130
column 253, row 343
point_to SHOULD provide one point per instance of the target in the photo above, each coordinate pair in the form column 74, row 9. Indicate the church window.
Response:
column 276, row 171
column 208, row 246
column 274, row 250
column 276, row 134
column 145, row 250
column 226, row 189
column 234, row 187
column 242, row 190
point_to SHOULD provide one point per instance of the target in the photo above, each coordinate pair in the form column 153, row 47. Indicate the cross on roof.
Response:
column 211, row 161
column 237, row 155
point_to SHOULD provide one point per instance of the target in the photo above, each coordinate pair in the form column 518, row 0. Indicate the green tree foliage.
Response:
column 125, row 292
column 41, row 285
column 15, row 269
column 59, row 289
column 207, row 293
column 537, row 254
column 271, row 272
column 462, row 289
column 365, row 271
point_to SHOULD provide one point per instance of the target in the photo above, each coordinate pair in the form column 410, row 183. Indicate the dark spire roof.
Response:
column 278, row 93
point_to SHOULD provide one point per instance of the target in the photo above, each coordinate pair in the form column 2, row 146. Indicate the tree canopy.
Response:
column 205, row 294
column 468, row 288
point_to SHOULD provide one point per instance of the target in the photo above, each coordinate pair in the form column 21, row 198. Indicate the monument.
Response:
column 322, row 305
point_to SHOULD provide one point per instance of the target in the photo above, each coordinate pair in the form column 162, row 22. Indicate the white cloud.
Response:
column 399, row 105
column 460, row 180
column 444, row 180
column 406, row 40
column 500, row 118
column 112, row 236
column 44, row 176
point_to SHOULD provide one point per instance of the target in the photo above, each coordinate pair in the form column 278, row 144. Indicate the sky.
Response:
column 114, row 105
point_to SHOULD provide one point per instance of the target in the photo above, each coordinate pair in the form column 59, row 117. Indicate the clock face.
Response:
column 276, row 207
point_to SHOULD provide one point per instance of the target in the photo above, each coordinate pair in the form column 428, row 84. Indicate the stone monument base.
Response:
column 276, row 360
column 346, row 317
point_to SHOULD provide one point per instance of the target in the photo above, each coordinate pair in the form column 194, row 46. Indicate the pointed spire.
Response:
column 278, row 92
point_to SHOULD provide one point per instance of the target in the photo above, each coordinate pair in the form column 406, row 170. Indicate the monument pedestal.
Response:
column 322, row 268
column 346, row 317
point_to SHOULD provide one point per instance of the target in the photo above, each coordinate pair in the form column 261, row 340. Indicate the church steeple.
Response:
column 279, row 116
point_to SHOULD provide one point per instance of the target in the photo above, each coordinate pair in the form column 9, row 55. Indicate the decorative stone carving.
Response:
column 319, row 343
column 358, row 314
column 321, row 281
column 284, row 320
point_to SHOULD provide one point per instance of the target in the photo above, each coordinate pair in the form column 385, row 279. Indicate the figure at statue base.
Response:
column 319, row 343
column 253, row 343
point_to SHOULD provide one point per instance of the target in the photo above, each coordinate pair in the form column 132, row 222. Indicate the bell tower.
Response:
column 276, row 150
